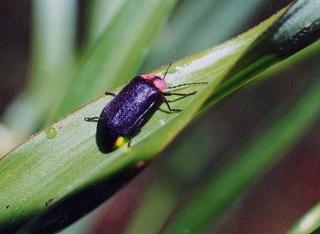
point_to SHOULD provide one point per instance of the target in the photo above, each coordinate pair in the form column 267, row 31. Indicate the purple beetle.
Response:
column 123, row 117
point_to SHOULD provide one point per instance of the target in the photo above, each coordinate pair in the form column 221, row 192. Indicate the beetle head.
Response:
column 157, row 81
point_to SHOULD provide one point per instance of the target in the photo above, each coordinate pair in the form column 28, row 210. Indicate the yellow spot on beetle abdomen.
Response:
column 120, row 142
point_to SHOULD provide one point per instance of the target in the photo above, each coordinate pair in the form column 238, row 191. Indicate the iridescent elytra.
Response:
column 124, row 116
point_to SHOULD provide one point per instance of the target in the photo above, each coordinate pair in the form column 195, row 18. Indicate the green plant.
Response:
column 63, row 163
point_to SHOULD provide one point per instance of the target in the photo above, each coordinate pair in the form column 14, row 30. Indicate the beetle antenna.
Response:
column 173, row 57
column 165, row 74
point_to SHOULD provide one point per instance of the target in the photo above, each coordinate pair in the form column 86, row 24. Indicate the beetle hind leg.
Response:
column 109, row 94
column 129, row 144
column 92, row 119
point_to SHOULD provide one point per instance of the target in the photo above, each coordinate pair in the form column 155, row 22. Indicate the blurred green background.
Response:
column 43, row 42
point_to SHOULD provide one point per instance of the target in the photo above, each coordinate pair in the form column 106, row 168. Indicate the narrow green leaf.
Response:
column 297, row 29
column 64, row 159
column 63, row 162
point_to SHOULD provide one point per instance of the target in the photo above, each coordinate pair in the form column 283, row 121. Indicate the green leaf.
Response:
column 67, row 160
column 59, row 175
column 298, row 28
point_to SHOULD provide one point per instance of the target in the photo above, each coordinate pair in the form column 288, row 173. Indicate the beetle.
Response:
column 124, row 116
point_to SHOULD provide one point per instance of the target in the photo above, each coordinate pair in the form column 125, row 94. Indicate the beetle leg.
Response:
column 164, row 111
column 169, row 107
column 109, row 94
column 177, row 99
column 187, row 84
column 180, row 94
column 91, row 119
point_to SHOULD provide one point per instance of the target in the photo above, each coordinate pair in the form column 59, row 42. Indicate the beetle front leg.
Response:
column 187, row 84
column 180, row 94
